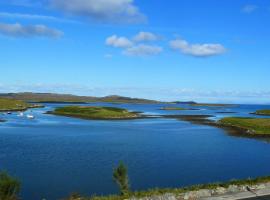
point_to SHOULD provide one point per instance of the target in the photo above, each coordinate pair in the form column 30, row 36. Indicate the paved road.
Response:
column 259, row 198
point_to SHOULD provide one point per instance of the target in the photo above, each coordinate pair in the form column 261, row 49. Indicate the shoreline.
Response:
column 23, row 108
column 200, row 191
column 230, row 129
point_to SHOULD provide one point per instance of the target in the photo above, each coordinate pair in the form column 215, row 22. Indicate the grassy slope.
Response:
column 12, row 105
column 51, row 97
column 90, row 112
column 262, row 112
column 253, row 125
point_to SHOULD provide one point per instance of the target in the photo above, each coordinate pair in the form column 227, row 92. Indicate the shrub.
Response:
column 9, row 187
column 120, row 176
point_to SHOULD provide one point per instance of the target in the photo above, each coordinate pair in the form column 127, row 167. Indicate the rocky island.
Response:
column 95, row 112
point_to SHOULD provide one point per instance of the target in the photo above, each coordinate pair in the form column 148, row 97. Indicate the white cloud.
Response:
column 108, row 11
column 33, row 17
column 135, row 48
column 118, row 42
column 249, row 8
column 143, row 50
column 197, row 50
column 145, row 36
column 18, row 30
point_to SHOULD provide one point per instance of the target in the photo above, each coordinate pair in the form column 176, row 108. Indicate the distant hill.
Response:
column 68, row 98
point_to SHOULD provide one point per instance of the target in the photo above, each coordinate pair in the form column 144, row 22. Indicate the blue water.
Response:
column 54, row 156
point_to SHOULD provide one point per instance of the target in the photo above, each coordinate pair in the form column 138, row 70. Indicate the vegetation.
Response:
column 262, row 112
column 67, row 98
column 9, row 187
column 15, row 105
column 177, row 191
column 256, row 126
column 120, row 176
column 91, row 112
column 173, row 108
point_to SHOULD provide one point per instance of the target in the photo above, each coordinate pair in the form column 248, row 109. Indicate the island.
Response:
column 95, row 112
column 249, row 126
column 212, row 105
column 262, row 112
column 9, row 105
column 172, row 108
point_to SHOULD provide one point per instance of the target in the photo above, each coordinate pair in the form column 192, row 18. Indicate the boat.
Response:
column 9, row 113
column 20, row 114
column 30, row 116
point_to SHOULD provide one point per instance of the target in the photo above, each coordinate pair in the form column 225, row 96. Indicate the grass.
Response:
column 93, row 112
column 172, row 108
column 15, row 105
column 12, row 105
column 177, row 191
column 262, row 112
column 253, row 126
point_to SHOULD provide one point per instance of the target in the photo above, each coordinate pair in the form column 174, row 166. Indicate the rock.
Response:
column 219, row 191
column 167, row 196
column 190, row 196
column 233, row 189
column 203, row 193
column 261, row 186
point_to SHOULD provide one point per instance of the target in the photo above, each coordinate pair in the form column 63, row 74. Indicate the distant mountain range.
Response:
column 68, row 98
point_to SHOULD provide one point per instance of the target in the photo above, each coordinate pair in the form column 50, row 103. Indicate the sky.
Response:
column 207, row 51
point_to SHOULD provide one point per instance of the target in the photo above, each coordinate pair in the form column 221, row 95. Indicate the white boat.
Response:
column 30, row 116
column 20, row 114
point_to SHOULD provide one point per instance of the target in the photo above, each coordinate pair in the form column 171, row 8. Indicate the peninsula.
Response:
column 262, row 112
column 250, row 126
column 7, row 105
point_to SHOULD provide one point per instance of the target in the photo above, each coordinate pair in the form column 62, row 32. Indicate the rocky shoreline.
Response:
column 215, row 193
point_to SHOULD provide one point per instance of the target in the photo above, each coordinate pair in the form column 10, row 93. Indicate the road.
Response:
column 259, row 198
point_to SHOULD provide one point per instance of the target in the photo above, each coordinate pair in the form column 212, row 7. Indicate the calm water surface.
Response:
column 54, row 156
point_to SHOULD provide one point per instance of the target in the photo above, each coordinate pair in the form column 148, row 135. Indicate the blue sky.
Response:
column 208, row 51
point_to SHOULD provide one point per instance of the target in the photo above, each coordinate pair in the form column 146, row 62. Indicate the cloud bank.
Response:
column 197, row 50
column 18, row 30
column 107, row 11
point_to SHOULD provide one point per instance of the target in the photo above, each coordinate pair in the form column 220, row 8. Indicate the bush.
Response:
column 120, row 176
column 9, row 187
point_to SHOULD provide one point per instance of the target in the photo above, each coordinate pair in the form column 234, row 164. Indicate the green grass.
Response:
column 12, row 105
column 177, row 191
column 262, row 112
column 172, row 108
column 255, row 126
column 91, row 112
